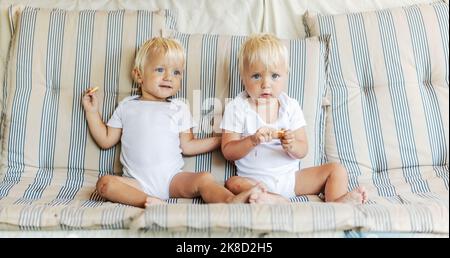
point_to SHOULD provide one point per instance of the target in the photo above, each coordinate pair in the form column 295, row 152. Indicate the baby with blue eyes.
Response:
column 263, row 132
column 154, row 132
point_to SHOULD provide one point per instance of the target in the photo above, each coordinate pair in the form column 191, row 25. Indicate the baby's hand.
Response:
column 278, row 134
column 287, row 140
column 90, row 101
column 264, row 134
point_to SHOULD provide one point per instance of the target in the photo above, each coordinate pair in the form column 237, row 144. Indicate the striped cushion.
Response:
column 212, row 79
column 389, row 96
column 49, row 163
column 426, row 217
column 53, row 134
column 55, row 56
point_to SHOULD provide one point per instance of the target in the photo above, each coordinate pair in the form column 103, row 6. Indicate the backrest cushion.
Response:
column 212, row 79
column 46, row 138
column 388, row 93
column 55, row 56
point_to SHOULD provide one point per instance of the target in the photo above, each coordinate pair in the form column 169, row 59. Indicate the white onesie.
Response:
column 267, row 162
column 151, row 151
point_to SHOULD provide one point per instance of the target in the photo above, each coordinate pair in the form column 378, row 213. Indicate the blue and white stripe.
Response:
column 34, row 184
column 50, row 110
column 171, row 20
column 236, row 85
column 184, row 40
column 442, row 17
column 433, row 116
column 21, row 98
column 111, row 81
column 340, row 109
column 78, row 133
column 208, row 67
column 143, row 33
column 391, row 131
column 399, row 99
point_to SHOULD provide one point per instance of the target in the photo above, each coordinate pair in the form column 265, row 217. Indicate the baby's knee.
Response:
column 234, row 184
column 337, row 169
column 231, row 182
column 205, row 177
column 104, row 184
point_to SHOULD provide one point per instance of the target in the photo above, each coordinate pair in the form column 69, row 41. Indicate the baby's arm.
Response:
column 234, row 147
column 191, row 146
column 104, row 136
column 295, row 143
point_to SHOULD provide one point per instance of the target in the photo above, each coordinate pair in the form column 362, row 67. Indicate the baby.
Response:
column 252, row 136
column 155, row 131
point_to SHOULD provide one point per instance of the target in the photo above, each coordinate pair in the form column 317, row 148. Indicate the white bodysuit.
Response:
column 267, row 162
column 151, row 151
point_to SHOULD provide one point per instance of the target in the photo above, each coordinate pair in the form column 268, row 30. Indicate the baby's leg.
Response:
column 238, row 184
column 123, row 190
column 330, row 178
column 189, row 185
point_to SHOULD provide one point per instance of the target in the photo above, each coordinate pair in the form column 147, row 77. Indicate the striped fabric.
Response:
column 389, row 95
column 49, row 163
column 212, row 79
column 209, row 234
column 299, row 218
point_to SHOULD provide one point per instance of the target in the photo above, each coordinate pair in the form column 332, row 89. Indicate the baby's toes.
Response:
column 365, row 198
column 253, row 197
column 361, row 189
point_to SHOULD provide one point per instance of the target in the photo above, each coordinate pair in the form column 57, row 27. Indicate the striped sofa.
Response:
column 373, row 87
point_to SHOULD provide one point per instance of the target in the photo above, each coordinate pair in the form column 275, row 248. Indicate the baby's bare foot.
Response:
column 270, row 198
column 357, row 196
column 363, row 192
column 153, row 201
column 249, row 195
column 253, row 197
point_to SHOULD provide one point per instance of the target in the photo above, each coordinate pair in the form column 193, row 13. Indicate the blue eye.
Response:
column 177, row 72
column 159, row 70
column 256, row 76
column 275, row 76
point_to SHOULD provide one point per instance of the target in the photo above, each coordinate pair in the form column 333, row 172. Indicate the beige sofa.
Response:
column 373, row 102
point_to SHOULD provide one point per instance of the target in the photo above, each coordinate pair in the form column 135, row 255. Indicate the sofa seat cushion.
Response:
column 426, row 217
column 424, row 213
column 403, row 183
column 34, row 204
column 74, row 205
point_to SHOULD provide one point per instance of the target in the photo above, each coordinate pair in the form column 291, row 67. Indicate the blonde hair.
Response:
column 170, row 48
column 264, row 48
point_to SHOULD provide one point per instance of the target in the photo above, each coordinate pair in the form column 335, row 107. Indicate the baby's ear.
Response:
column 136, row 75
